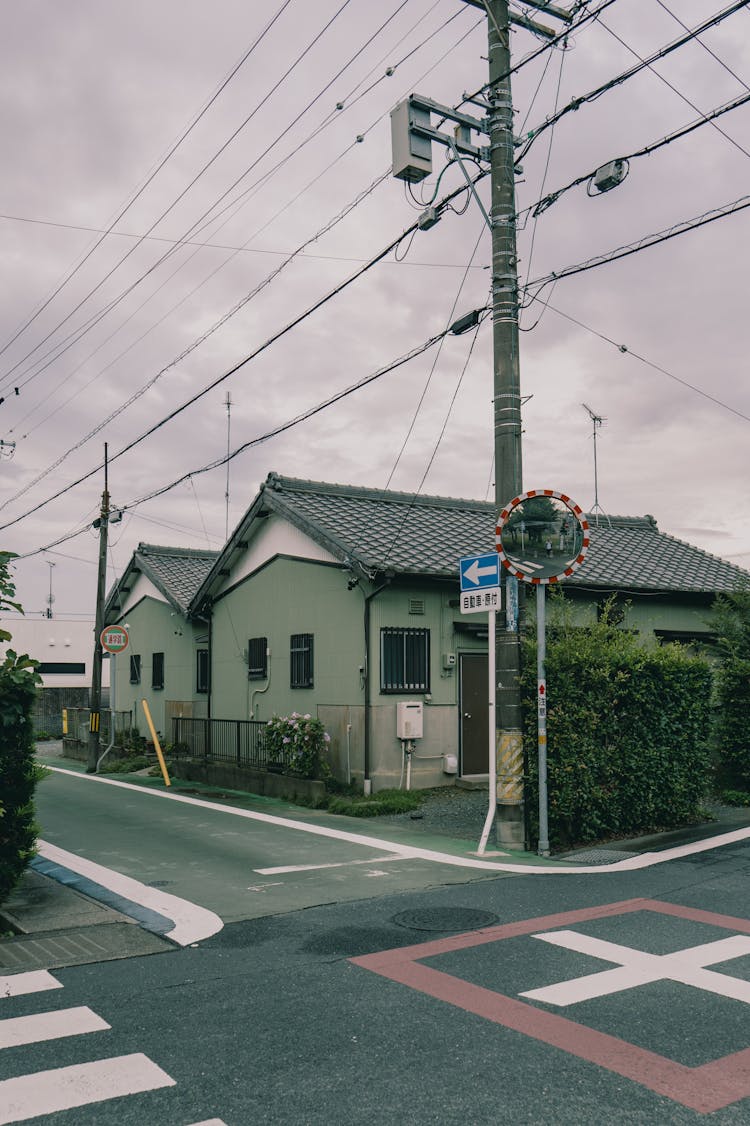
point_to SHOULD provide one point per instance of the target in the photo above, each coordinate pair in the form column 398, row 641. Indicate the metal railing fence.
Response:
column 237, row 741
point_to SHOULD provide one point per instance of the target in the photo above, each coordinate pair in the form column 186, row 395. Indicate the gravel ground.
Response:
column 451, row 811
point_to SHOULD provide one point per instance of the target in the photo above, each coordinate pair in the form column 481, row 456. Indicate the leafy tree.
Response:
column 18, row 775
column 731, row 622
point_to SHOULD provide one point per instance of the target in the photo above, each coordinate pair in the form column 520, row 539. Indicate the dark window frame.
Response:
column 404, row 659
column 135, row 668
column 62, row 668
column 257, row 658
column 201, row 670
column 157, row 670
column 302, row 660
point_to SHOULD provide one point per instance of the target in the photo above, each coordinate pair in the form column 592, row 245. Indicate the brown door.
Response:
column 474, row 714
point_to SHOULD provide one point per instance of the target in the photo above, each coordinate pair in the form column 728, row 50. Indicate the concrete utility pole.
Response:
column 96, row 675
column 507, row 409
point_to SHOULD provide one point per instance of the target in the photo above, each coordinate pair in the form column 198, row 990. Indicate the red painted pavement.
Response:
column 704, row 1089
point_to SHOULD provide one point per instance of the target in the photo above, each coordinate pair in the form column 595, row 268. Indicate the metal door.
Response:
column 474, row 701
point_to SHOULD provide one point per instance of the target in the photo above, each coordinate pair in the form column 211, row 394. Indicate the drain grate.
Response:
column 445, row 919
column 598, row 856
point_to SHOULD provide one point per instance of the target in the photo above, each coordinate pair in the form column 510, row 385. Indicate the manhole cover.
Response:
column 445, row 919
column 159, row 883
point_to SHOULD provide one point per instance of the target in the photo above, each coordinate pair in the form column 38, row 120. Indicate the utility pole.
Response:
column 507, row 409
column 412, row 136
column 96, row 676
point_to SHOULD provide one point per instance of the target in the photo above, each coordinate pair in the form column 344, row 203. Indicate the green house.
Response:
column 343, row 602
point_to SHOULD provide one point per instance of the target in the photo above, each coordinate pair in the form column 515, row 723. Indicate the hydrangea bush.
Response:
column 299, row 742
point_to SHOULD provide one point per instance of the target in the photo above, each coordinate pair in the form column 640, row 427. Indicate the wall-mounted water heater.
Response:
column 409, row 715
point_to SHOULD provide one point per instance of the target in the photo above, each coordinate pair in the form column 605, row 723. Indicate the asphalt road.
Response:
column 537, row 999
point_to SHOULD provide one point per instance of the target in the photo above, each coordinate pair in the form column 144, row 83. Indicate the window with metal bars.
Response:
column 257, row 658
column 404, row 660
column 135, row 668
column 201, row 670
column 157, row 670
column 301, row 660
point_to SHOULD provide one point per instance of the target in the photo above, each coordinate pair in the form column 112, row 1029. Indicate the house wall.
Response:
column 687, row 614
column 154, row 627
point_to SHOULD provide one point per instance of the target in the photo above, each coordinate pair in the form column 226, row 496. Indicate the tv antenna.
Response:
column 228, row 404
column 597, row 421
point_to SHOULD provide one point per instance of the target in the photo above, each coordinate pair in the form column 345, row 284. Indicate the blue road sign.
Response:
column 479, row 572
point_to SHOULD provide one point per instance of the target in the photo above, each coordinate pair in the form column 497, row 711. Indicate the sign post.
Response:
column 542, row 538
column 481, row 592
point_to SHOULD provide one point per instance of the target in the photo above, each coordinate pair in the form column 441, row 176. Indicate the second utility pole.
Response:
column 95, row 703
column 506, row 412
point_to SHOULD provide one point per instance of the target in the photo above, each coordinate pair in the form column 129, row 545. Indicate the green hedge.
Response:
column 18, row 775
column 731, row 622
column 627, row 728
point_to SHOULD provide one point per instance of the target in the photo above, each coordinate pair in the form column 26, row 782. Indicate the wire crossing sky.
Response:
column 180, row 190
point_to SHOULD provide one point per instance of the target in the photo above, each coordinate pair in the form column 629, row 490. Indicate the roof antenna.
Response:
column 228, row 403
column 597, row 420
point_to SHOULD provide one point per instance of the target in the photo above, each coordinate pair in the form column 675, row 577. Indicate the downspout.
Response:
column 368, row 684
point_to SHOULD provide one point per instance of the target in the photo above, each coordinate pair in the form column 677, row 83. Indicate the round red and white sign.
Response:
column 542, row 536
column 114, row 639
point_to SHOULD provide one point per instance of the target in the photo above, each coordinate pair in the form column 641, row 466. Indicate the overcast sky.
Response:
column 104, row 130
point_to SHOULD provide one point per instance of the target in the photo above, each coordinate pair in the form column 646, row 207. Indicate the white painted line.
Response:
column 191, row 922
column 63, row 1088
column 285, row 870
column 35, row 981
column 637, row 967
column 633, row 863
column 49, row 1026
column 210, row 1122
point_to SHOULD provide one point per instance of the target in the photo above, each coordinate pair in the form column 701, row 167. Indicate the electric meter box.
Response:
column 412, row 154
column 409, row 715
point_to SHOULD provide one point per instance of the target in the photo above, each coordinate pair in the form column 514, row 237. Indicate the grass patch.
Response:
column 734, row 797
column 374, row 805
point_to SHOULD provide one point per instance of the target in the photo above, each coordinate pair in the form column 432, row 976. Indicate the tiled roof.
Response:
column 383, row 530
column 177, row 572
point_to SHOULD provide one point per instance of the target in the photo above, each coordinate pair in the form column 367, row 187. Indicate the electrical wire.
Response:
column 674, row 89
column 626, row 350
column 200, row 226
column 241, row 363
column 620, row 79
column 152, row 175
column 306, row 50
column 644, row 243
column 542, row 204
column 705, row 46
column 216, row 325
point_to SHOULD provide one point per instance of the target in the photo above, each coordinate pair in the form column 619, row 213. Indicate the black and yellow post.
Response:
column 94, row 721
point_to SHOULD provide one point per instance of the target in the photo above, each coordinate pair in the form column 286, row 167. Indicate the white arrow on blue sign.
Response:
column 479, row 572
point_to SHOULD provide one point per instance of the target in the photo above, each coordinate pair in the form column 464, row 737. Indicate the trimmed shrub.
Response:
column 628, row 732
column 731, row 620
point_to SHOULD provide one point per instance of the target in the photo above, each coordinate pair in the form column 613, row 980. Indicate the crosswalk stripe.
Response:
column 63, row 1088
column 35, row 981
column 53, row 1025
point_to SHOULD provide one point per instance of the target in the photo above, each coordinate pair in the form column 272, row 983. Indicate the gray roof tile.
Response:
column 427, row 535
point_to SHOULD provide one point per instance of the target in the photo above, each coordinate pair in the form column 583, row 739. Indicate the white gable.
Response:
column 141, row 588
column 275, row 536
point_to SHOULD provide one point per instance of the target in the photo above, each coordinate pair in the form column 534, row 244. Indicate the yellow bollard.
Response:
column 155, row 738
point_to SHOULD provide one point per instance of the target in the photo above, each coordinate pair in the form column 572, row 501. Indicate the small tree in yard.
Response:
column 18, row 774
column 731, row 620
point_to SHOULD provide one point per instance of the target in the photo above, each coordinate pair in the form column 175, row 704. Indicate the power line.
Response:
column 171, row 151
column 705, row 119
column 247, row 359
column 625, row 349
column 705, row 46
column 218, row 324
column 183, row 193
column 620, row 79
column 644, row 243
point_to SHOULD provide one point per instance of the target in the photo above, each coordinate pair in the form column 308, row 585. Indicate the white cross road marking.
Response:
column 288, row 868
column 35, row 981
column 49, row 1026
column 636, row 967
column 46, row 1092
